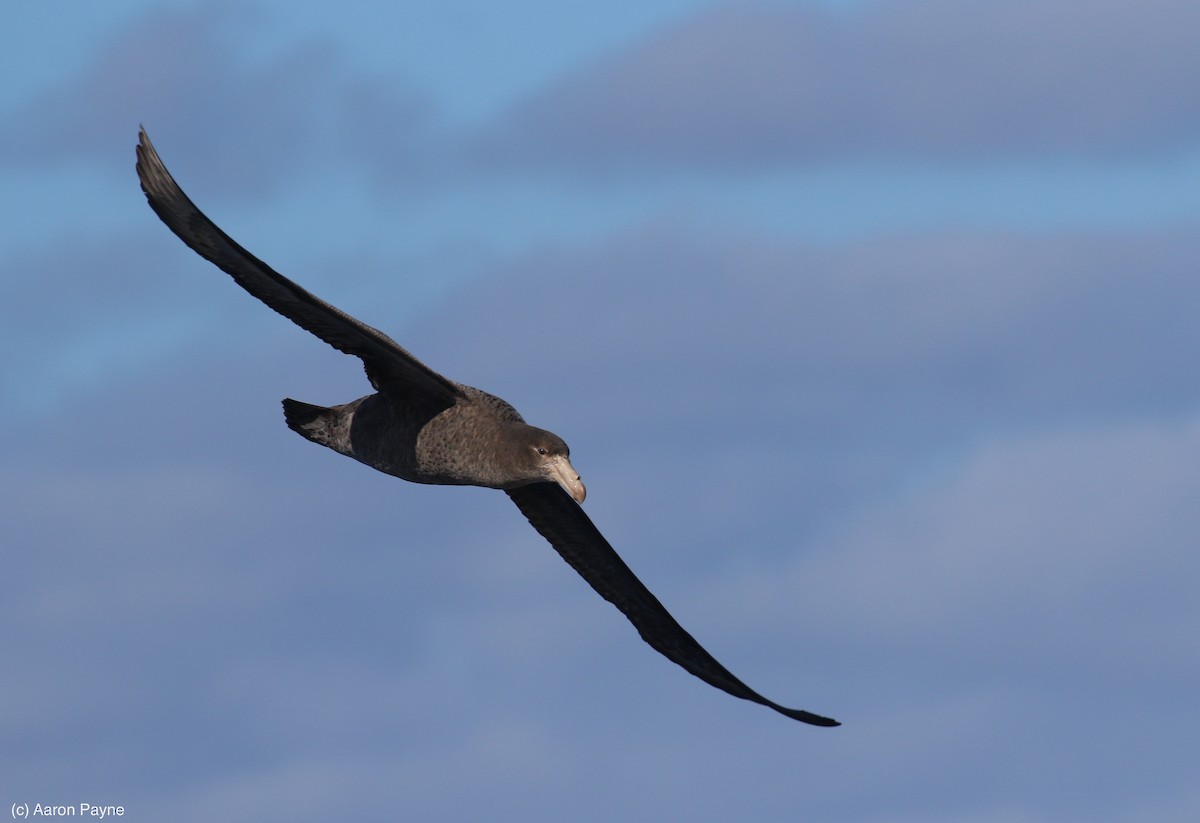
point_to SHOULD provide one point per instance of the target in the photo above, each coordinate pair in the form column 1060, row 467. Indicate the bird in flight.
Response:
column 426, row 428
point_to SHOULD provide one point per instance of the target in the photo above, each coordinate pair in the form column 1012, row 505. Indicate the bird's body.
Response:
column 420, row 441
column 425, row 428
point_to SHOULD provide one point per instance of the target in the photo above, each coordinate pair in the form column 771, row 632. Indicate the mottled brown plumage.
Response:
column 422, row 427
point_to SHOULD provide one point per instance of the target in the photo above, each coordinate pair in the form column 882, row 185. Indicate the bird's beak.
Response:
column 564, row 474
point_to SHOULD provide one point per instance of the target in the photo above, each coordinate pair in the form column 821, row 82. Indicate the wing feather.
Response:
column 388, row 365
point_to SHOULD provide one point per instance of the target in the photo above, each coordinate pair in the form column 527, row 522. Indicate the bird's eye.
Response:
column 541, row 450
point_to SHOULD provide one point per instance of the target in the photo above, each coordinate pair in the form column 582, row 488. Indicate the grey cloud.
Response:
column 858, row 366
column 97, row 308
column 1047, row 575
column 1040, row 324
column 1070, row 523
column 193, row 78
column 758, row 85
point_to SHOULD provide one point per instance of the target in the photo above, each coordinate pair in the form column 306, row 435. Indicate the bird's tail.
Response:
column 311, row 422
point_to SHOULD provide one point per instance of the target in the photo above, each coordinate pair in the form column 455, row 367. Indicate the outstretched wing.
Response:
column 561, row 521
column 389, row 367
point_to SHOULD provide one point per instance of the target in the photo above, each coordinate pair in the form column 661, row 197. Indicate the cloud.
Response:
column 194, row 77
column 1046, row 574
column 94, row 309
column 1077, row 526
column 759, row 85
column 1005, row 325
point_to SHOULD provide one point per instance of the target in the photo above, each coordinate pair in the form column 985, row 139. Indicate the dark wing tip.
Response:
column 147, row 157
column 807, row 717
column 160, row 188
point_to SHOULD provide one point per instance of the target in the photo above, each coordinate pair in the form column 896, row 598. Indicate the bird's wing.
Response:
column 389, row 367
column 561, row 521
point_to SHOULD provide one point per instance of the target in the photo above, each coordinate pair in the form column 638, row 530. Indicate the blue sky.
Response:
column 872, row 328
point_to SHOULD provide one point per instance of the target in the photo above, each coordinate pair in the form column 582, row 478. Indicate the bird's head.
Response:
column 545, row 457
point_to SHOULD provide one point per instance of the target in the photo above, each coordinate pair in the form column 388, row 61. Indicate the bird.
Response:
column 425, row 428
